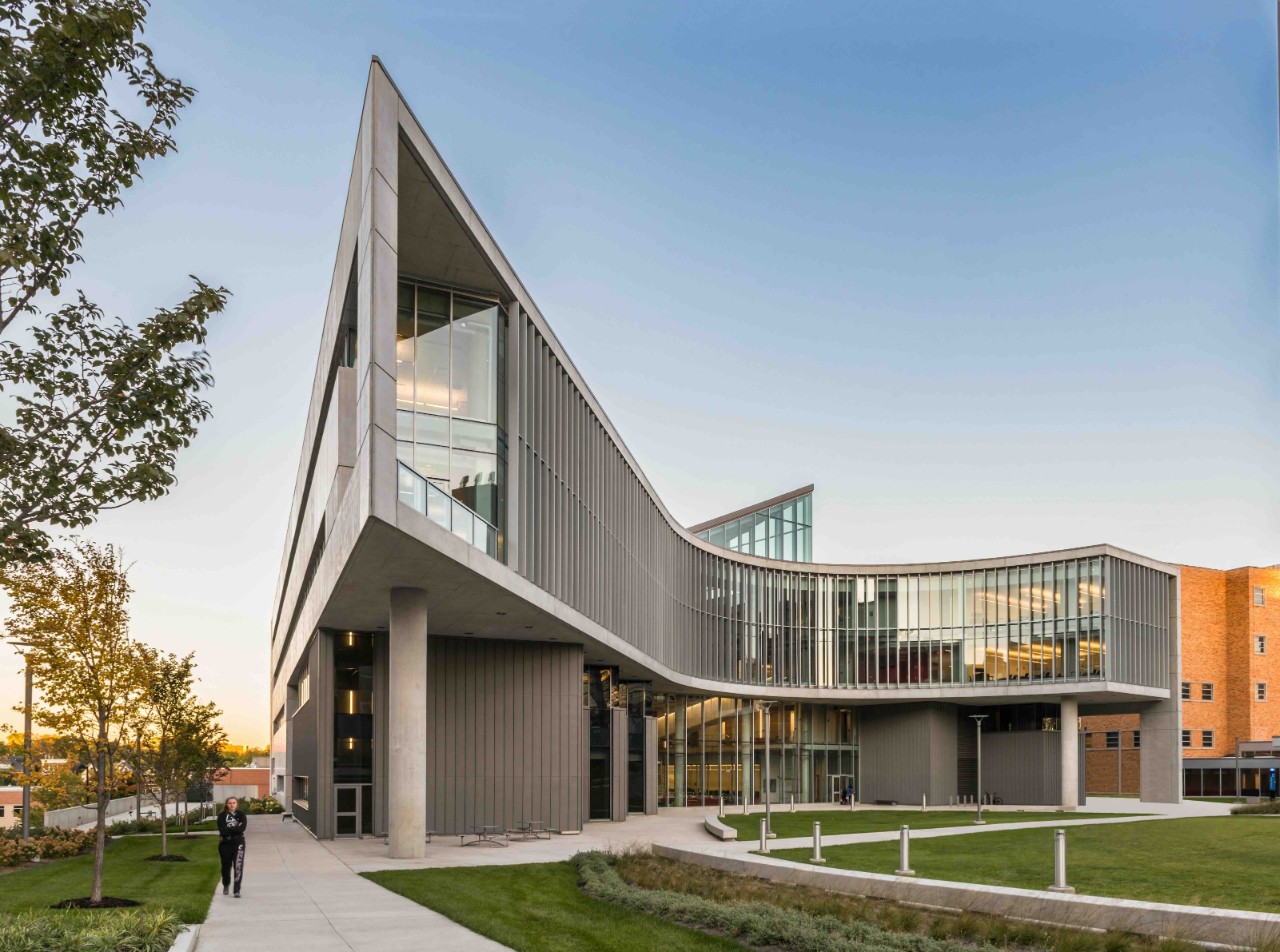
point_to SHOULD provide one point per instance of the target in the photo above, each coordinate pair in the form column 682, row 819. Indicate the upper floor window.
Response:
column 1260, row 691
column 1259, row 644
column 1113, row 740
column 1186, row 738
column 451, row 395
column 1259, row 597
column 1206, row 691
column 1137, row 740
column 1206, row 739
column 1186, row 690
column 304, row 689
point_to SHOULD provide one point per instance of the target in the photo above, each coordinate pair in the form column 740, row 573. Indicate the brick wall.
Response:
column 1219, row 623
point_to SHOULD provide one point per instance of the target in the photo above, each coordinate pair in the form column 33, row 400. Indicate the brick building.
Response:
column 1230, row 690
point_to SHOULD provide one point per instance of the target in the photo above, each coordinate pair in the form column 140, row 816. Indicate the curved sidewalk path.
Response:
column 300, row 897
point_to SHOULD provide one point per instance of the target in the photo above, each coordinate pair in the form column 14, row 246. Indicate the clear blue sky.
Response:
column 997, row 277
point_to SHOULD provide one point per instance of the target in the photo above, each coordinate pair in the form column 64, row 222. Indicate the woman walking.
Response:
column 231, row 826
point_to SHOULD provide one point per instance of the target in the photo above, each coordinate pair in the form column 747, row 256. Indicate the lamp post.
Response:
column 763, row 708
column 26, row 749
column 978, row 719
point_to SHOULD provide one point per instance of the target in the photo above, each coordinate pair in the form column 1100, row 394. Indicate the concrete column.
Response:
column 1069, row 722
column 407, row 724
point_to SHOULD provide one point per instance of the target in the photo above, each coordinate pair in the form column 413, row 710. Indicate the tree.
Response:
column 69, row 617
column 172, row 710
column 200, row 743
column 102, row 407
column 58, row 788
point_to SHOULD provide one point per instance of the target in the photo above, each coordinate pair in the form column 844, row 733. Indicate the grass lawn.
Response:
column 539, row 908
column 185, row 889
column 1203, row 861
column 800, row 823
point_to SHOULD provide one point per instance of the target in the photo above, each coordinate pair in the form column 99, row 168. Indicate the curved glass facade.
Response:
column 593, row 535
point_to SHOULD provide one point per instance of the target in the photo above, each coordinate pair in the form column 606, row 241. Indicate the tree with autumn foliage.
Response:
column 69, row 617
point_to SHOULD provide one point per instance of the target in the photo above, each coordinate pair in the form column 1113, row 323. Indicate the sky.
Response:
column 997, row 277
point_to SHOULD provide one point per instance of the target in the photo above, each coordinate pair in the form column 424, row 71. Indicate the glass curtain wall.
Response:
column 784, row 531
column 451, row 395
column 711, row 750
column 1030, row 623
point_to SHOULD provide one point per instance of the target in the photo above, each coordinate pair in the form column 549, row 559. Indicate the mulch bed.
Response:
column 165, row 859
column 106, row 902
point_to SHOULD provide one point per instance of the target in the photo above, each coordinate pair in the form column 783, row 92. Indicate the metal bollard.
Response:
column 817, row 844
column 904, row 852
column 924, row 802
column 793, row 803
column 764, row 836
column 1060, row 863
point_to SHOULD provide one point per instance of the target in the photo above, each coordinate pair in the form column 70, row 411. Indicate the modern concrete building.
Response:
column 485, row 613
column 1230, row 669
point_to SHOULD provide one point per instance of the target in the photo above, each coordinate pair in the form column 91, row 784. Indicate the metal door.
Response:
column 347, row 809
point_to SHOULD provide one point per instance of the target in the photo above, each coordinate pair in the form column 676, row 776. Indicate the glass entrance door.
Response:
column 348, row 809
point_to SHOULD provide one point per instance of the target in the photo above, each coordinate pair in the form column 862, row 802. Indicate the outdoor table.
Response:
column 530, row 830
column 486, row 834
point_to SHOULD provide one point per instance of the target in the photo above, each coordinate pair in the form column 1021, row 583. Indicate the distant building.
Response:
column 10, row 807
column 242, row 783
column 1228, row 687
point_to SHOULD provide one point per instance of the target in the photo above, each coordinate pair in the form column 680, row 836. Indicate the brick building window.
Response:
column 1186, row 738
column 1113, row 740
column 1206, row 738
column 1259, row 644
column 1259, row 598
column 1186, row 690
column 1, row 809
column 1206, row 691
column 1137, row 740
column 1260, row 691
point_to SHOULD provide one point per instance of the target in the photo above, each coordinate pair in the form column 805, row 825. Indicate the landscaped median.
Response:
column 635, row 902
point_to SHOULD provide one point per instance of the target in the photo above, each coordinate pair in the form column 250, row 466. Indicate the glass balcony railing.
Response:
column 442, row 509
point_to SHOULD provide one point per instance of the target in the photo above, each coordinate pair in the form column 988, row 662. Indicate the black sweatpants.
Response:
column 232, row 855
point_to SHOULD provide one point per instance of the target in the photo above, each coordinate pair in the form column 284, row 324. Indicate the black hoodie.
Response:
column 231, row 825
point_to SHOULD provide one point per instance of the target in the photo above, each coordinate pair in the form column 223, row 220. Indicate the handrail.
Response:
column 421, row 494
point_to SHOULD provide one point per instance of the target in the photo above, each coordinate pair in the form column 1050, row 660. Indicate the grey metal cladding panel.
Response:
column 904, row 753
column 504, row 732
column 1022, row 767
column 618, row 764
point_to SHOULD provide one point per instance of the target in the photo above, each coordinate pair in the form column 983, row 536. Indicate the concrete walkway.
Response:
column 300, row 897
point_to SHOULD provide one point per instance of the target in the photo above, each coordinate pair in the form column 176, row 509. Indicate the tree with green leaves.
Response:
column 200, row 742
column 69, row 617
column 169, row 701
column 102, row 406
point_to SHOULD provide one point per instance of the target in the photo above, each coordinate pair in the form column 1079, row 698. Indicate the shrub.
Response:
column 128, row 930
column 1266, row 806
column 264, row 805
column 754, row 923
column 47, row 844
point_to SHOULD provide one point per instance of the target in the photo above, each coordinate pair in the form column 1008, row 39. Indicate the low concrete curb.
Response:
column 1196, row 923
column 719, row 830
column 186, row 940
